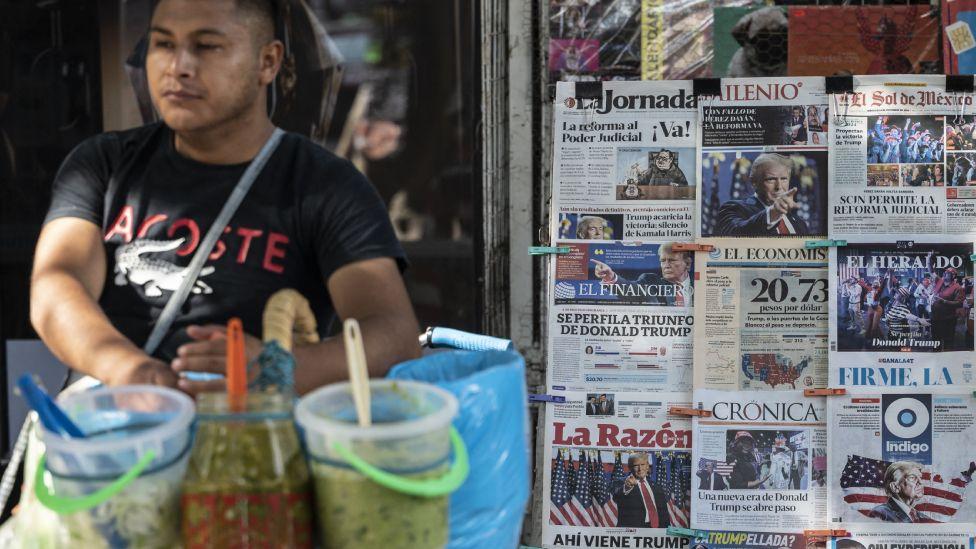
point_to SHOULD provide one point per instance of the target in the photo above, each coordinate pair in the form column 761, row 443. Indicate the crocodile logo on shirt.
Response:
column 132, row 266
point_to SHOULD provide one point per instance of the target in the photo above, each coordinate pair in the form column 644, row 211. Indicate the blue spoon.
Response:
column 51, row 415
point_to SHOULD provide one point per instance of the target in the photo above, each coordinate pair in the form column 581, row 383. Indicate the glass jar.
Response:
column 247, row 484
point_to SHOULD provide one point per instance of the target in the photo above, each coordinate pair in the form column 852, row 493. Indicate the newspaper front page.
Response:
column 760, row 459
column 903, row 457
column 620, row 305
column 901, row 314
column 761, row 315
column 627, row 158
column 763, row 160
column 902, row 160
column 621, row 317
column 899, row 536
column 619, row 468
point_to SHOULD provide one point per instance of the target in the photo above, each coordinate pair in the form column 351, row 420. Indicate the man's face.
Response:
column 662, row 161
column 910, row 486
column 595, row 230
column 773, row 180
column 746, row 444
column 641, row 468
column 709, row 467
column 925, row 282
column 674, row 267
column 797, row 112
column 603, row 398
column 203, row 65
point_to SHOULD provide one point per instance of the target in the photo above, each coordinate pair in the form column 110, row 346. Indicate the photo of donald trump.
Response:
column 772, row 209
column 903, row 485
column 640, row 504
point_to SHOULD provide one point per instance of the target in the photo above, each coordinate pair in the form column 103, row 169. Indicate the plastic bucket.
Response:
column 120, row 484
column 386, row 485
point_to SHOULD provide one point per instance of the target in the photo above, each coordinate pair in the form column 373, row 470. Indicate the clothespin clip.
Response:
column 548, row 250
column 690, row 247
column 829, row 243
column 687, row 533
column 546, row 398
column 823, row 392
column 972, row 257
column 826, row 533
column 686, row 411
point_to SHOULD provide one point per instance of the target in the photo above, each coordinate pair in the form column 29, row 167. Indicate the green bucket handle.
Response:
column 64, row 505
column 428, row 488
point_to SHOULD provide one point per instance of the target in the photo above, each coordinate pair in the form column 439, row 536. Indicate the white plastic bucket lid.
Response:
column 326, row 411
column 169, row 437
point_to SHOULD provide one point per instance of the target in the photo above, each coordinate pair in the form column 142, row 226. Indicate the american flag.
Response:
column 571, row 502
column 561, row 513
column 671, row 475
column 606, row 509
column 844, row 272
column 863, row 482
column 582, row 502
column 722, row 468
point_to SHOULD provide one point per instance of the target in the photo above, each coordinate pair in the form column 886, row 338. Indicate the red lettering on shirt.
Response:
column 271, row 251
column 219, row 247
column 192, row 242
column 246, row 235
column 144, row 228
column 122, row 225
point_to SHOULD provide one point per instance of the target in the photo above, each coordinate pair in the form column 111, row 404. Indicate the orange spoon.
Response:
column 236, row 366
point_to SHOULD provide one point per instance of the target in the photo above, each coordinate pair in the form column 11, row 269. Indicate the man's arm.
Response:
column 371, row 291
column 734, row 220
column 67, row 280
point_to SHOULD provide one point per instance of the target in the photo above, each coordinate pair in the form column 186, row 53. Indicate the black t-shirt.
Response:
column 307, row 214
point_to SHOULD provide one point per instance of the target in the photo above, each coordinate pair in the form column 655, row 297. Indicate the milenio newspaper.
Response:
column 902, row 160
column 620, row 305
column 901, row 314
column 904, row 457
column 763, row 159
column 759, row 459
column 761, row 315
column 619, row 470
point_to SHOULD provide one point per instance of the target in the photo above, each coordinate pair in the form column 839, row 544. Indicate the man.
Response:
column 780, row 464
column 129, row 209
column 708, row 479
column 592, row 408
column 768, row 212
column 663, row 170
column 592, row 227
column 923, row 294
column 674, row 282
column 606, row 406
column 797, row 131
column 903, row 485
column 742, row 456
column 899, row 317
column 640, row 504
column 947, row 297
column 852, row 291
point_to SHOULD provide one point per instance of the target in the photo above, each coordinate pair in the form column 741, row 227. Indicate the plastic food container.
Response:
column 247, row 484
column 119, row 486
column 386, row 485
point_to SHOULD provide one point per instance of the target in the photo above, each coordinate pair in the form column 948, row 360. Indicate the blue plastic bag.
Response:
column 487, row 510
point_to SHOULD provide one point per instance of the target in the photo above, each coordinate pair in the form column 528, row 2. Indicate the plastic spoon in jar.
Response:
column 236, row 366
column 358, row 374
